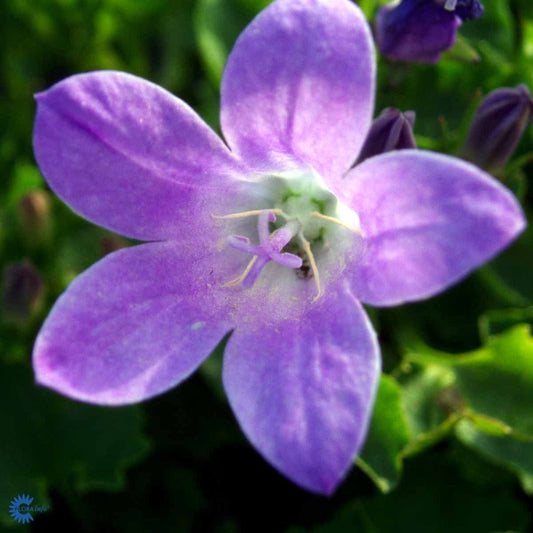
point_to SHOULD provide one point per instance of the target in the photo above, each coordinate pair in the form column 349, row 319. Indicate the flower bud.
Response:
column 497, row 127
column 34, row 216
column 111, row 243
column 392, row 130
column 420, row 30
column 22, row 290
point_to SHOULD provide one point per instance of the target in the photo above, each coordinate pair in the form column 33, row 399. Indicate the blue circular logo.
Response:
column 19, row 509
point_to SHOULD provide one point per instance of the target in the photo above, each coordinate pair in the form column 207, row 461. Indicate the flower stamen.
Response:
column 316, row 276
column 242, row 277
column 245, row 214
column 316, row 214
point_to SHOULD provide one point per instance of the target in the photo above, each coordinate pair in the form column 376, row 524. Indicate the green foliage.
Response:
column 482, row 397
column 435, row 496
column 49, row 441
column 387, row 437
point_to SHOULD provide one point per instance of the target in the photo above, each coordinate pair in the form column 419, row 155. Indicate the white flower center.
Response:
column 305, row 218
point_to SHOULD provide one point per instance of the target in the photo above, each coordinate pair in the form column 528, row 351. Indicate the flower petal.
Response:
column 303, row 390
column 428, row 220
column 126, row 154
column 300, row 81
column 135, row 324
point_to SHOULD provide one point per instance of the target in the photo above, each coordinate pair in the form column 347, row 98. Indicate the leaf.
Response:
column 494, row 394
column 513, row 454
column 387, row 437
column 497, row 380
column 48, row 440
column 499, row 320
column 435, row 497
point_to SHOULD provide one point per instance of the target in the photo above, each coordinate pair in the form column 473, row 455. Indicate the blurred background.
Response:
column 451, row 443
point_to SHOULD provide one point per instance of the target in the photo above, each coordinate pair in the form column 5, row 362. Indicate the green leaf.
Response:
column 499, row 320
column 435, row 497
column 493, row 389
column 497, row 380
column 515, row 455
column 48, row 440
column 387, row 437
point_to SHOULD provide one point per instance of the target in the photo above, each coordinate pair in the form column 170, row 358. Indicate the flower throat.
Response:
column 302, row 210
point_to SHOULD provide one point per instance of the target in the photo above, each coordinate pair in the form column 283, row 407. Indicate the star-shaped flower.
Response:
column 302, row 361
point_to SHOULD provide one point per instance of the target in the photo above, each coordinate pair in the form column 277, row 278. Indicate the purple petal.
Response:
column 300, row 81
column 132, row 326
column 428, row 221
column 129, row 156
column 415, row 30
column 303, row 389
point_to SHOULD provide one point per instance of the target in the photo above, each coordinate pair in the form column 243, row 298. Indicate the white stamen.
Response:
column 245, row 214
column 241, row 278
column 312, row 263
column 336, row 221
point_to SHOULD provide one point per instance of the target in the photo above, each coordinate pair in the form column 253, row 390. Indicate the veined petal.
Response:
column 300, row 81
column 129, row 156
column 428, row 220
column 132, row 326
column 303, row 389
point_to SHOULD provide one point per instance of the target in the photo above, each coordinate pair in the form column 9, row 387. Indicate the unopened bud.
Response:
column 392, row 130
column 22, row 289
column 34, row 215
column 111, row 243
column 497, row 127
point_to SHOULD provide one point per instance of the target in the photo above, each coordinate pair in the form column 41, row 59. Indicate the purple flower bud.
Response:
column 498, row 125
column 392, row 130
column 22, row 290
column 420, row 30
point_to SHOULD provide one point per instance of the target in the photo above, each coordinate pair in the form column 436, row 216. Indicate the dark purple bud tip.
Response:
column 416, row 30
column 497, row 127
column 392, row 130
column 22, row 288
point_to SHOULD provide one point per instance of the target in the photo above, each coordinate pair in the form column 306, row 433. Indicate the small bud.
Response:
column 497, row 127
column 22, row 290
column 34, row 216
column 111, row 243
column 420, row 30
column 392, row 130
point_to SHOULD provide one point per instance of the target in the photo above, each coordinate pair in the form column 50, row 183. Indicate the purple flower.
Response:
column 420, row 30
column 272, row 239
